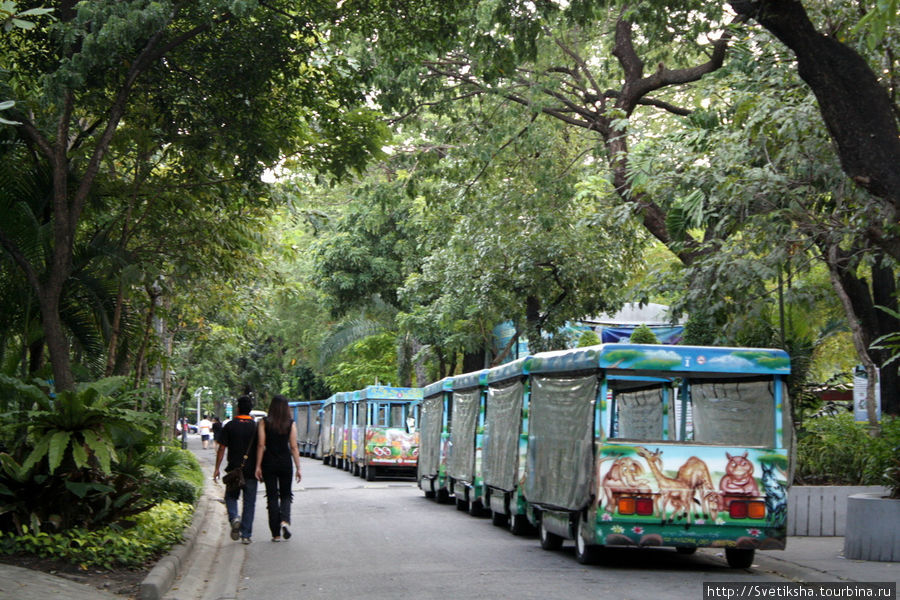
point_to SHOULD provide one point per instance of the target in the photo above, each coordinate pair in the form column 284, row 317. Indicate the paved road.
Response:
column 383, row 539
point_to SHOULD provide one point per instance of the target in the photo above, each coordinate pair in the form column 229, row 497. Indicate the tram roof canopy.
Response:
column 664, row 360
column 510, row 370
column 470, row 380
column 385, row 392
column 442, row 385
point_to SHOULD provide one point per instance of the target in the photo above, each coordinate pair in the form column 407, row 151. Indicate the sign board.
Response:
column 860, row 381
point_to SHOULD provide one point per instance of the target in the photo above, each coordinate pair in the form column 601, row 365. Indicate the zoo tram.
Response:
column 615, row 445
column 371, row 431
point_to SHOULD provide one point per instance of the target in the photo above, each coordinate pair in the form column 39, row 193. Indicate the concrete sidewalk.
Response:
column 184, row 573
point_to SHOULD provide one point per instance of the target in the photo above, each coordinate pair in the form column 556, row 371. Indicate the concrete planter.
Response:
column 873, row 528
column 821, row 510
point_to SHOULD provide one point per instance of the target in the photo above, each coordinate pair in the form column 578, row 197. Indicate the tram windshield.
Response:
column 738, row 412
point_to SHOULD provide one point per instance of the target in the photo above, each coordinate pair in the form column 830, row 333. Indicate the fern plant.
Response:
column 59, row 468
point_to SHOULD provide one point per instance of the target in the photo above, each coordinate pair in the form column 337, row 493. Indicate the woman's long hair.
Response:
column 279, row 417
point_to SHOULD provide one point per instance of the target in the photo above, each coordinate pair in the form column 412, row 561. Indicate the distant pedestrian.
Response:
column 239, row 438
column 276, row 448
column 204, row 427
column 216, row 430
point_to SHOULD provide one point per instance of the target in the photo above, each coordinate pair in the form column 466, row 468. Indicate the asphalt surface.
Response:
column 208, row 564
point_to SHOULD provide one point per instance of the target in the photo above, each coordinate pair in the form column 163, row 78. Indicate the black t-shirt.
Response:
column 238, row 435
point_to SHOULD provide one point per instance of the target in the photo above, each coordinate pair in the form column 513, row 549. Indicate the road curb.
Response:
column 161, row 577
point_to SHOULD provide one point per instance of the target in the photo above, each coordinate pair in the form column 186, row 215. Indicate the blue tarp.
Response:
column 665, row 335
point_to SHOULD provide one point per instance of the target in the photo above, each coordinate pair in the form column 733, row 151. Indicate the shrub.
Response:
column 171, row 473
column 588, row 338
column 643, row 335
column 836, row 450
column 83, row 459
column 153, row 532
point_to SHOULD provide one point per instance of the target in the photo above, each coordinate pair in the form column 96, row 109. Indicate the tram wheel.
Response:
column 443, row 496
column 519, row 525
column 739, row 558
column 586, row 554
column 477, row 509
column 429, row 494
column 461, row 504
column 370, row 473
column 499, row 519
column 550, row 541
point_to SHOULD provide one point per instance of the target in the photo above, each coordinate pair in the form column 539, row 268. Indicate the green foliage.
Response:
column 82, row 459
column 11, row 16
column 700, row 330
column 889, row 341
column 643, row 335
column 73, row 431
column 370, row 360
column 835, row 450
column 150, row 534
column 171, row 473
column 892, row 474
column 878, row 22
column 588, row 338
column 305, row 384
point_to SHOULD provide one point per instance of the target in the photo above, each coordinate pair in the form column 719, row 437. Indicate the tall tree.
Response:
column 175, row 65
column 586, row 66
column 855, row 106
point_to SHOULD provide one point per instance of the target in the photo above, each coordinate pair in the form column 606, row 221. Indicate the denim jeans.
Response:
column 246, row 515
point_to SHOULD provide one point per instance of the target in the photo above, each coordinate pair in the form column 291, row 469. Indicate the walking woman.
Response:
column 276, row 447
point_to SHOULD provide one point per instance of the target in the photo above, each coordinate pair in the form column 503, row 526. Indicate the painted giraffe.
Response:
column 672, row 491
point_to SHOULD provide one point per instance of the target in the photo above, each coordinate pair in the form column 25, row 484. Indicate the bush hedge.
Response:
column 836, row 450
column 153, row 532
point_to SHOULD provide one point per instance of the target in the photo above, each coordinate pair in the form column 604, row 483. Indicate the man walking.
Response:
column 239, row 438
column 204, row 427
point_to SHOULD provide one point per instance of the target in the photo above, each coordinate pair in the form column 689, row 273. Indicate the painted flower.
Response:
column 700, row 522
column 606, row 517
column 754, row 532
column 720, row 521
column 618, row 529
column 638, row 529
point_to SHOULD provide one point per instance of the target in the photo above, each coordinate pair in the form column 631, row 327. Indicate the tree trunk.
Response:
column 533, row 325
column 139, row 362
column 404, row 362
column 112, row 347
column 35, row 356
column 854, row 296
column 419, row 364
column 855, row 108
column 55, row 337
column 472, row 361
